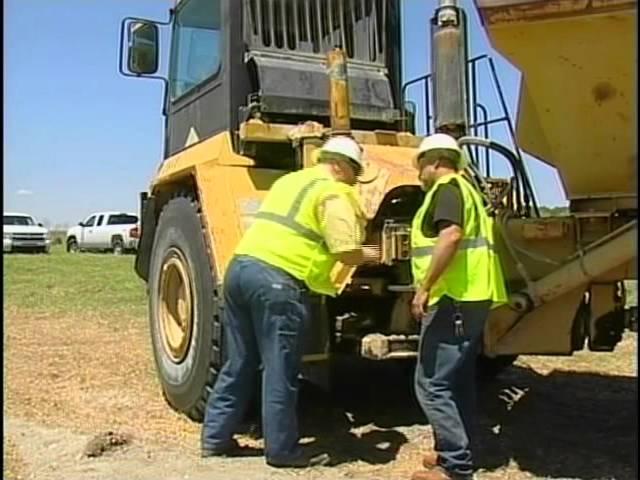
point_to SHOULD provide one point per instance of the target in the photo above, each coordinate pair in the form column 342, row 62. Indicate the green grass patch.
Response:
column 73, row 283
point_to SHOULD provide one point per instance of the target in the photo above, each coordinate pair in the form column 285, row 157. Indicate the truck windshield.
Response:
column 195, row 48
column 18, row 220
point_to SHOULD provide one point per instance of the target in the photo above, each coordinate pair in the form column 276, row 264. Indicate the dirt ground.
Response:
column 68, row 379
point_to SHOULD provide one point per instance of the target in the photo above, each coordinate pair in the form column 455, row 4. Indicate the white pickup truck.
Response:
column 105, row 231
column 21, row 233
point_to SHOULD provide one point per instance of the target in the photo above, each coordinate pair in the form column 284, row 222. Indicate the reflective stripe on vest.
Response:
column 289, row 214
column 289, row 220
column 465, row 244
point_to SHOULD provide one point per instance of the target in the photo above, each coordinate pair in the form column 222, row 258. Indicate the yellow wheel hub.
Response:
column 176, row 305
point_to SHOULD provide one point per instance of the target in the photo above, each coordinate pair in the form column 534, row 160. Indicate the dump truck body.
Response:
column 576, row 112
column 577, row 105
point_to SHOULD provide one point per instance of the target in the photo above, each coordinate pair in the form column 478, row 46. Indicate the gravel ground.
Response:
column 70, row 378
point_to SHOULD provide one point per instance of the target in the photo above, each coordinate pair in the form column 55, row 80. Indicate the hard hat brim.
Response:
column 323, row 153
column 435, row 152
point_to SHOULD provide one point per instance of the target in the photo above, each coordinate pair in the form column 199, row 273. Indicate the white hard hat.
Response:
column 440, row 141
column 346, row 146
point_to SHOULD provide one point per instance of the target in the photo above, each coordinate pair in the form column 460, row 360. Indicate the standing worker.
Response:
column 309, row 220
column 458, row 278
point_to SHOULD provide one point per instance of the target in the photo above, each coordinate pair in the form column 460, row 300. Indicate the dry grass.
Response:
column 14, row 467
column 77, row 349
column 91, row 370
column 87, row 373
column 555, row 418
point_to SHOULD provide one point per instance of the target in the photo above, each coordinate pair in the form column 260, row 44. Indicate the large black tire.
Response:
column 72, row 245
column 632, row 319
column 117, row 245
column 186, row 383
column 489, row 368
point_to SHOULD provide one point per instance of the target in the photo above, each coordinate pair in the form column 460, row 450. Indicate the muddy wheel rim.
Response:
column 176, row 305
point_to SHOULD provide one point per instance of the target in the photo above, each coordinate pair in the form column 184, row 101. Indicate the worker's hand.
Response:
column 420, row 300
column 371, row 254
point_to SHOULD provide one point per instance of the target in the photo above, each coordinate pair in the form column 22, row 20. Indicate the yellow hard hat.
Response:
column 437, row 143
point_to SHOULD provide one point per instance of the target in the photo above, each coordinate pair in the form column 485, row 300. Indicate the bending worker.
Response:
column 458, row 278
column 309, row 220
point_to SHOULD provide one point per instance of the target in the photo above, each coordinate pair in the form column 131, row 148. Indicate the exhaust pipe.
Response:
column 339, row 92
column 449, row 55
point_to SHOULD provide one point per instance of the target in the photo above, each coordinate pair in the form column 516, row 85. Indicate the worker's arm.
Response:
column 343, row 232
column 365, row 254
column 447, row 221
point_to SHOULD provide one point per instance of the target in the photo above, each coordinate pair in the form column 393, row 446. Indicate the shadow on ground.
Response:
column 561, row 425
column 374, row 396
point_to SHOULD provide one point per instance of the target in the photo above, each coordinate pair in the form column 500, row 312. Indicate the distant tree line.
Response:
column 554, row 211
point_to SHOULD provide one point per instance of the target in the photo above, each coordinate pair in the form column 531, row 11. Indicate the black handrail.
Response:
column 529, row 189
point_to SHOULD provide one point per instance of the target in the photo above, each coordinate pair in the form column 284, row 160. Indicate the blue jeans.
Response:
column 445, row 379
column 265, row 315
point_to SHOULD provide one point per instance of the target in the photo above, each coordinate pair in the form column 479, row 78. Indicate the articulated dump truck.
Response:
column 253, row 89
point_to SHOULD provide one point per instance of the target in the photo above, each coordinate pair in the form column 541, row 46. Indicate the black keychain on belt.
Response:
column 458, row 326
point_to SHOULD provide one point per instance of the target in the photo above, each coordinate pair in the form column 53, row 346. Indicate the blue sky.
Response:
column 80, row 138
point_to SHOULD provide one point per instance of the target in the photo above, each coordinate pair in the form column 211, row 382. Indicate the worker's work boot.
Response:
column 303, row 461
column 438, row 473
column 430, row 459
column 232, row 450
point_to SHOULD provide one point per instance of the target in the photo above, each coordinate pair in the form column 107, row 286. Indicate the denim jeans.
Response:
column 445, row 379
column 264, row 317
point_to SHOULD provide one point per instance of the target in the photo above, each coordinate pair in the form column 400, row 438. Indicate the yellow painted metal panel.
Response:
column 216, row 149
column 229, row 196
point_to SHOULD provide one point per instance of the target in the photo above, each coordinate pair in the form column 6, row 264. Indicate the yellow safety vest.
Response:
column 286, row 232
column 475, row 272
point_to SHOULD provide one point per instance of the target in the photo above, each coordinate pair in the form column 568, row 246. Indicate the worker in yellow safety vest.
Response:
column 308, row 221
column 458, row 279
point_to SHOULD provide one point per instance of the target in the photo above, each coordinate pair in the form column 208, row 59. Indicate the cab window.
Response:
column 90, row 221
column 122, row 219
column 196, row 45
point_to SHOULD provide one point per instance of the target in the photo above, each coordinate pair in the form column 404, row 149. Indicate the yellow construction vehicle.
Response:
column 255, row 86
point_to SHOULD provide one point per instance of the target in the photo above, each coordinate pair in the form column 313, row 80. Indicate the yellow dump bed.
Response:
column 577, row 107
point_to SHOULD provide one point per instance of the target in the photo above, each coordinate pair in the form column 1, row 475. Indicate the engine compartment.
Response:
column 372, row 315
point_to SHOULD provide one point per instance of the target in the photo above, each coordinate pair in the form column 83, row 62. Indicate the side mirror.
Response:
column 142, row 58
column 81, row 224
column 40, row 224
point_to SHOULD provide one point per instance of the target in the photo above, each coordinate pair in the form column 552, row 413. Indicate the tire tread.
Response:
column 196, row 413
